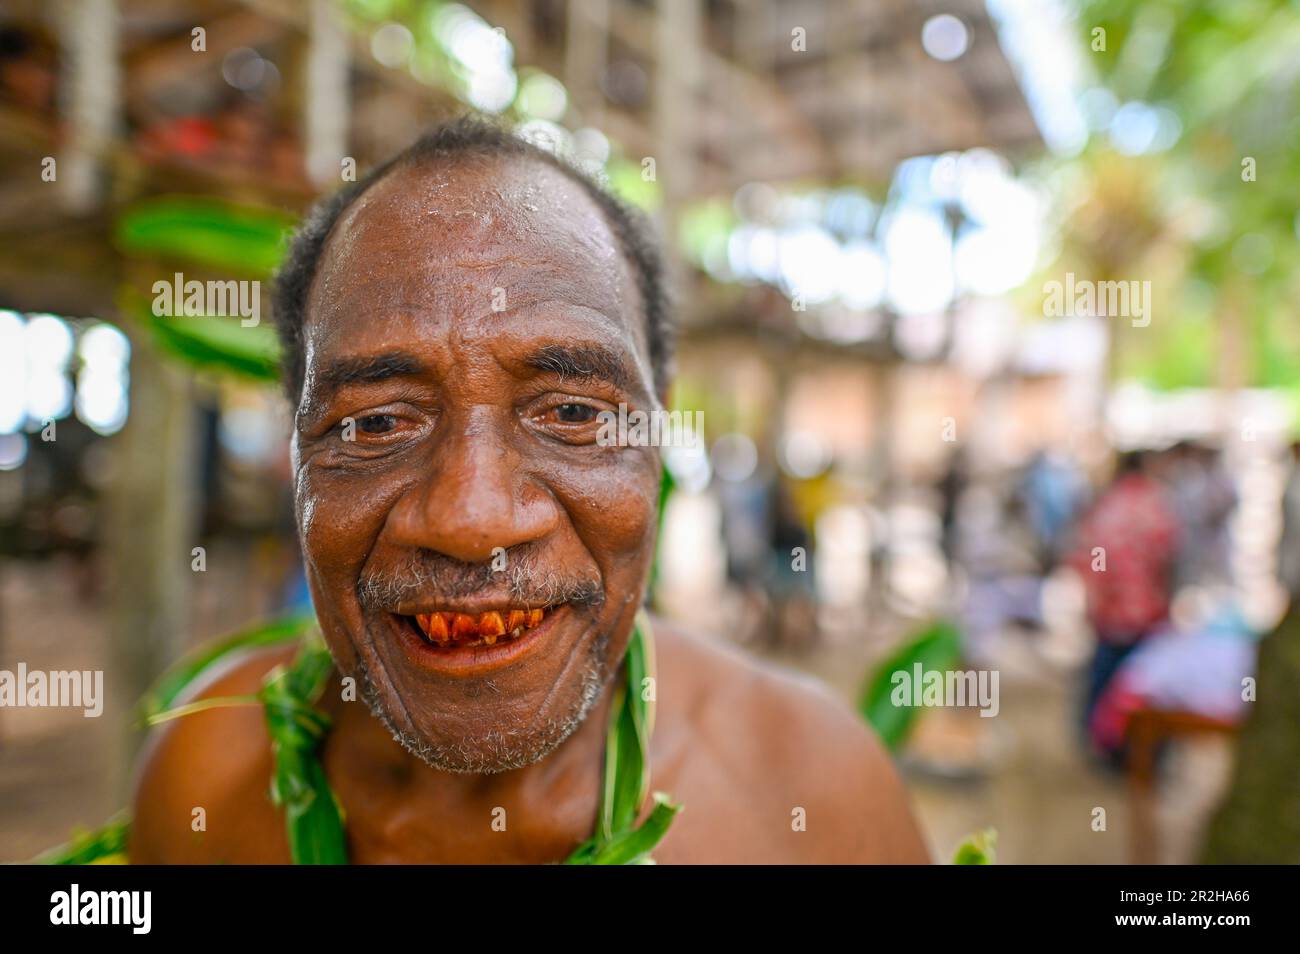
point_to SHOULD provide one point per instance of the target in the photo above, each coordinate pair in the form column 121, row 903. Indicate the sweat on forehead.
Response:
column 469, row 237
column 472, row 192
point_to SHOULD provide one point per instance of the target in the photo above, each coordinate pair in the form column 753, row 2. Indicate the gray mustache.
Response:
column 440, row 578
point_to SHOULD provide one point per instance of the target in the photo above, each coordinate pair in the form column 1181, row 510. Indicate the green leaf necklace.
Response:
column 299, row 787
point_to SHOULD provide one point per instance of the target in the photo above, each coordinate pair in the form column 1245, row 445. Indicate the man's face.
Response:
column 466, row 325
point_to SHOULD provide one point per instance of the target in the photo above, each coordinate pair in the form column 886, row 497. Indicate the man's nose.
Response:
column 474, row 498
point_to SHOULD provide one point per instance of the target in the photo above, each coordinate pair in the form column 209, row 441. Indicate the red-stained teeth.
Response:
column 453, row 630
column 464, row 626
column 433, row 626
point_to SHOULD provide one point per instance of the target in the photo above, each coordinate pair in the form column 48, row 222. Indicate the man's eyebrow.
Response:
column 365, row 369
column 584, row 361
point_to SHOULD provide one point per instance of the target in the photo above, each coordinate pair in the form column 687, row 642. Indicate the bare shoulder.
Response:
column 202, row 781
column 799, row 776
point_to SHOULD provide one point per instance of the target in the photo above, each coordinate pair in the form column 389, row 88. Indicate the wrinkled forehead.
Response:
column 457, row 238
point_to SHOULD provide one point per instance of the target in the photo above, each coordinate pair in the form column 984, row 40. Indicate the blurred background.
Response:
column 913, row 453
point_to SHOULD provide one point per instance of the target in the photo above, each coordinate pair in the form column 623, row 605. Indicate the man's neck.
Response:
column 534, row 814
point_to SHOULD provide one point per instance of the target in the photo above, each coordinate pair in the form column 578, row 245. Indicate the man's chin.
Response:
column 487, row 749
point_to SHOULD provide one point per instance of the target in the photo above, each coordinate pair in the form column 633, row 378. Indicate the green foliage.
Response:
column 1183, row 359
column 1226, row 71
column 220, row 345
column 212, row 234
column 207, row 232
column 107, row 844
column 181, row 674
column 979, row 848
column 628, row 183
column 665, row 491
column 103, row 846
column 299, row 785
column 935, row 647
column 625, row 752
column 631, row 846
column 705, row 229
column 617, row 840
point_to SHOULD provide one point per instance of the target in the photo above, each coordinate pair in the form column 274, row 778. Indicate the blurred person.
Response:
column 1288, row 555
column 1203, row 497
column 1197, row 668
column 476, row 435
column 952, row 487
column 1124, row 551
column 1052, row 490
column 790, row 582
column 746, row 528
column 998, row 553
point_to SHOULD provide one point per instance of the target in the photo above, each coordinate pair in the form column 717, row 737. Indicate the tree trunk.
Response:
column 1259, row 820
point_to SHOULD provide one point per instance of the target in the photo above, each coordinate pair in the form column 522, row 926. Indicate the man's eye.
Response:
column 575, row 413
column 376, row 423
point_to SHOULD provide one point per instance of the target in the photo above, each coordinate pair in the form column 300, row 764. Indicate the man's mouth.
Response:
column 451, row 630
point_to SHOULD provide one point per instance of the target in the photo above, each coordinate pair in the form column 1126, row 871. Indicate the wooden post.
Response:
column 152, row 528
column 326, row 94
column 1143, row 737
column 90, row 96
column 586, row 51
column 676, row 86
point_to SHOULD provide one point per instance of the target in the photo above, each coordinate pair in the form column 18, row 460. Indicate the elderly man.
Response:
column 454, row 325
